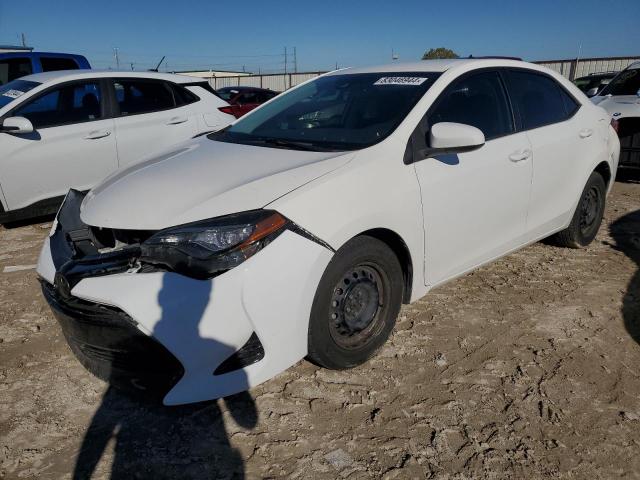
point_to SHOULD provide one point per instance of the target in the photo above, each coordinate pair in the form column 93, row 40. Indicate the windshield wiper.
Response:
column 282, row 143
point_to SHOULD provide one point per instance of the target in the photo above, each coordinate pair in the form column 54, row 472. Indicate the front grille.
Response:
column 108, row 343
column 629, row 134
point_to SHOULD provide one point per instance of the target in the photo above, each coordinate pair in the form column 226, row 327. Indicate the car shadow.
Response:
column 626, row 233
column 152, row 441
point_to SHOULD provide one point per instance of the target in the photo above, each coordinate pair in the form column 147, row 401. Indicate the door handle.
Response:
column 586, row 133
column 176, row 120
column 93, row 135
column 520, row 155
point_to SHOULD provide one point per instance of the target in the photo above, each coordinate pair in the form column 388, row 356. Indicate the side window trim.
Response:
column 520, row 122
column 58, row 86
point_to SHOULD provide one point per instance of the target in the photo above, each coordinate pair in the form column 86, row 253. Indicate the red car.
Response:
column 243, row 99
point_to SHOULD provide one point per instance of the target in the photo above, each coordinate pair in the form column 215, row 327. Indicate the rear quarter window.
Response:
column 52, row 64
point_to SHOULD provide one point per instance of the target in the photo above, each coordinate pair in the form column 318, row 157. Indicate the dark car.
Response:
column 244, row 99
column 594, row 80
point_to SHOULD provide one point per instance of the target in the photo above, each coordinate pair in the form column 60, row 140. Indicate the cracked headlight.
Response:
column 206, row 248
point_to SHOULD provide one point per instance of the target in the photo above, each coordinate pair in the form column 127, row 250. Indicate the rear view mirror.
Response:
column 17, row 125
column 592, row 92
column 449, row 137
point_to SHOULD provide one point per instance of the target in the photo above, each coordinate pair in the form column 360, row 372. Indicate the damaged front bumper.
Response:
column 178, row 338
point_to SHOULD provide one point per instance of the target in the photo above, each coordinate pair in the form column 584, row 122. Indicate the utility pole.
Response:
column 132, row 66
column 115, row 54
column 285, row 60
column 24, row 40
column 295, row 60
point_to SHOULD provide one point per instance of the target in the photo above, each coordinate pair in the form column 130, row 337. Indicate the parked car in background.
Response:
column 244, row 99
column 621, row 98
column 61, row 130
column 593, row 83
column 14, row 65
column 300, row 229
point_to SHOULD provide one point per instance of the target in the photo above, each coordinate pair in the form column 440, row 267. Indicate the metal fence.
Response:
column 575, row 68
column 570, row 68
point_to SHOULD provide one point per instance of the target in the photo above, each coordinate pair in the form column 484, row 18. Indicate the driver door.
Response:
column 474, row 203
column 72, row 145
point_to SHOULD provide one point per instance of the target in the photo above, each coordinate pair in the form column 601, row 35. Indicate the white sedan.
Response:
column 70, row 129
column 301, row 229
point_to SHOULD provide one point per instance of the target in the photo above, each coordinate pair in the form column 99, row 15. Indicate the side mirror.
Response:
column 592, row 92
column 449, row 137
column 17, row 125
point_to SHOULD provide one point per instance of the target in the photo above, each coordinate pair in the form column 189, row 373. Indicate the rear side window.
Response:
column 539, row 99
column 478, row 100
column 143, row 96
column 74, row 103
column 183, row 96
column 13, row 68
column 50, row 64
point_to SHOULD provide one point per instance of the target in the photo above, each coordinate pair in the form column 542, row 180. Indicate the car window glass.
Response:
column 75, row 103
column 248, row 97
column 626, row 82
column 13, row 68
column 183, row 96
column 539, row 99
column 143, row 96
column 50, row 64
column 478, row 100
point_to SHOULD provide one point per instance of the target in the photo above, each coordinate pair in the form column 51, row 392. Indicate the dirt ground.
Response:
column 527, row 368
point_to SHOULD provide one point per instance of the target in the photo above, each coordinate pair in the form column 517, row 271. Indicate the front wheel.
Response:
column 588, row 215
column 356, row 304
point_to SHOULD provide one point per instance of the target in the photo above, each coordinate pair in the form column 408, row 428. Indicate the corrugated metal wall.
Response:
column 572, row 69
column 569, row 68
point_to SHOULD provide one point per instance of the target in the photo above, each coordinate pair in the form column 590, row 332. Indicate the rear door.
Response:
column 151, row 115
column 565, row 141
column 72, row 145
column 475, row 203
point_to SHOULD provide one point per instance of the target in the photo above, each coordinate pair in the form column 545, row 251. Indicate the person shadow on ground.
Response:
column 152, row 441
column 626, row 233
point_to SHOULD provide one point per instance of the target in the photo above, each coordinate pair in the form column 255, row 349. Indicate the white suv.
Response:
column 300, row 229
column 70, row 129
column 621, row 98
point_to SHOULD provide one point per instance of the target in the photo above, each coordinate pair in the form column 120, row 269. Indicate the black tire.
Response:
column 356, row 304
column 587, row 218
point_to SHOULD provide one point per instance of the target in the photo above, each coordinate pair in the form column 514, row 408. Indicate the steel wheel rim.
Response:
column 589, row 209
column 355, row 307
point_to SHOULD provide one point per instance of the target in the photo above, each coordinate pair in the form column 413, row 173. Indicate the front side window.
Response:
column 626, row 82
column 143, row 96
column 336, row 112
column 12, row 68
column 478, row 100
column 539, row 99
column 50, row 64
column 74, row 103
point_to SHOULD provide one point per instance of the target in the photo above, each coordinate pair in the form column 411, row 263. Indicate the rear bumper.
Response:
column 179, row 337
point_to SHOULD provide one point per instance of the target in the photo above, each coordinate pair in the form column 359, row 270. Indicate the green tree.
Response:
column 438, row 53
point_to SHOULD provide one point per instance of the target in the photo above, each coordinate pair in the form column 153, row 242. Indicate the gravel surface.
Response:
column 526, row 368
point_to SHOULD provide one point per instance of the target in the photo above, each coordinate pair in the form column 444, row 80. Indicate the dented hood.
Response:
column 202, row 179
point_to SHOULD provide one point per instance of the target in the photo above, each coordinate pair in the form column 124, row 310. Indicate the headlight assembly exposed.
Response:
column 206, row 248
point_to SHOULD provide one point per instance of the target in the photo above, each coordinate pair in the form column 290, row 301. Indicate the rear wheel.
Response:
column 356, row 304
column 588, row 215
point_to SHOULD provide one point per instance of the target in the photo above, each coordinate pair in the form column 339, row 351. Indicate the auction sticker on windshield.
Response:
column 401, row 81
column 13, row 93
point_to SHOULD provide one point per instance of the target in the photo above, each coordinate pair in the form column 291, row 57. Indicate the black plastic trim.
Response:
column 37, row 209
column 251, row 352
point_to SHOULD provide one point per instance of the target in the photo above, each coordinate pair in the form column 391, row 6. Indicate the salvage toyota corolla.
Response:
column 300, row 229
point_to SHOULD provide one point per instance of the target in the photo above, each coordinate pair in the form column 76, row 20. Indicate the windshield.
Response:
column 626, row 83
column 226, row 93
column 336, row 112
column 15, row 89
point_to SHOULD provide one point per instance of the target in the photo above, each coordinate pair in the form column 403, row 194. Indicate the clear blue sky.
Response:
column 228, row 35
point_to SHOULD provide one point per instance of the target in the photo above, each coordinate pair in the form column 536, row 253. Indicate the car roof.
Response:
column 245, row 88
column 63, row 75
column 438, row 66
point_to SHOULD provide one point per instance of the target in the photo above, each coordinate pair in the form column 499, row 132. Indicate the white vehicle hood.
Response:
column 623, row 105
column 199, row 180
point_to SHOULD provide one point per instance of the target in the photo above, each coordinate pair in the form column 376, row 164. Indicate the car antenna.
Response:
column 158, row 66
